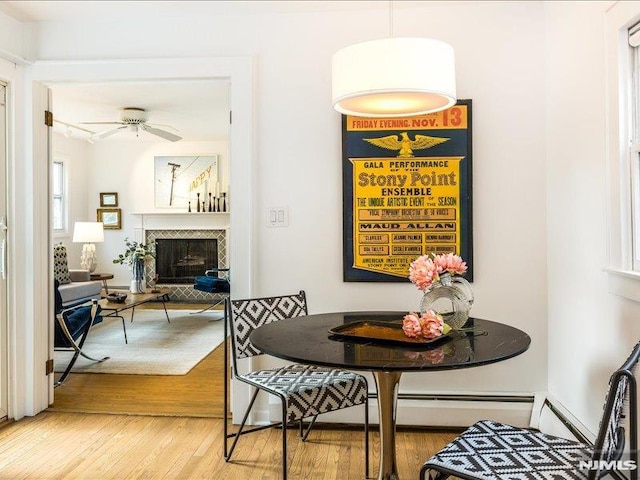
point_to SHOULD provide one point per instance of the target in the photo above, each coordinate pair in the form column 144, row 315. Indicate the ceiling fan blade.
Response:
column 102, row 123
column 108, row 133
column 161, row 133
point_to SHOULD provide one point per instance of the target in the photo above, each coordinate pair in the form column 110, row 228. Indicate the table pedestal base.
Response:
column 387, row 384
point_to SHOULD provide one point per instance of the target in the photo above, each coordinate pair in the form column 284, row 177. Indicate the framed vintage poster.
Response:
column 183, row 181
column 407, row 192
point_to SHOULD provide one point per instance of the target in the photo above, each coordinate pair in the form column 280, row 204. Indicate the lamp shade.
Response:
column 88, row 232
column 394, row 77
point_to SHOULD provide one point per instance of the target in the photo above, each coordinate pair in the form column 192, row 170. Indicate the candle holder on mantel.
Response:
column 224, row 201
column 198, row 201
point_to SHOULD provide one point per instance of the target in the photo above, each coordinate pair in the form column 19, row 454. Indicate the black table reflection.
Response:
column 308, row 340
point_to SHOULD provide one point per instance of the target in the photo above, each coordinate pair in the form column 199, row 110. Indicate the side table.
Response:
column 103, row 277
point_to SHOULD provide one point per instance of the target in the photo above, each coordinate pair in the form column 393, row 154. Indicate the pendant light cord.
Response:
column 391, row 18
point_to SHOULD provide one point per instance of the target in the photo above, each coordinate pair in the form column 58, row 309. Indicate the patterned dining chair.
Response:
column 493, row 451
column 305, row 391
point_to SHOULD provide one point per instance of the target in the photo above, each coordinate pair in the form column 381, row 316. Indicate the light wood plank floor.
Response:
column 60, row 445
column 197, row 394
column 170, row 427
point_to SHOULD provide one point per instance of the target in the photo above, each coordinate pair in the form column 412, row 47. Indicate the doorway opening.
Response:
column 98, row 162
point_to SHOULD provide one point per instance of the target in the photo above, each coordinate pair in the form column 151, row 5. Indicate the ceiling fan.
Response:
column 133, row 118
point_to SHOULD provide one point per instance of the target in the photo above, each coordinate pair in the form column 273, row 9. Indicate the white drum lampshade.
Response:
column 88, row 233
column 394, row 77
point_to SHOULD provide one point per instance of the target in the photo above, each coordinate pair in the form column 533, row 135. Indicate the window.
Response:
column 623, row 156
column 59, row 200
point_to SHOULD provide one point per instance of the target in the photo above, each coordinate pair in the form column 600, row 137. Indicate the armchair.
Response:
column 212, row 282
column 71, row 328
column 75, row 285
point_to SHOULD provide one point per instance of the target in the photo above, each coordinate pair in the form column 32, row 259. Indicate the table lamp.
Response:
column 88, row 233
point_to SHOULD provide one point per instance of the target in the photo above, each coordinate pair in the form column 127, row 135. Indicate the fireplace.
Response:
column 181, row 260
column 186, row 262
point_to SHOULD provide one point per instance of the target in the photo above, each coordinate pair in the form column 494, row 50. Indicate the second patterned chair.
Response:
column 305, row 391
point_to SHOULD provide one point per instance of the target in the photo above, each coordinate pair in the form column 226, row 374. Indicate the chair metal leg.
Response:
column 236, row 435
column 77, row 346
column 306, row 433
column 209, row 308
column 366, row 436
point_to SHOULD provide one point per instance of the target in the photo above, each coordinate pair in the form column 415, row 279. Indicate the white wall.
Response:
column 591, row 331
column 500, row 65
column 75, row 155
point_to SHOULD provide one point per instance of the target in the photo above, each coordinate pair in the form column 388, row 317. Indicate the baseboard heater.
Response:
column 462, row 397
column 443, row 410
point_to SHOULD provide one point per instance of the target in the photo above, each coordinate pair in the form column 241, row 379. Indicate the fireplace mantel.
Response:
column 180, row 221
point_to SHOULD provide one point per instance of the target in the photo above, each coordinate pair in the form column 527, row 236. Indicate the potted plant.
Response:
column 136, row 255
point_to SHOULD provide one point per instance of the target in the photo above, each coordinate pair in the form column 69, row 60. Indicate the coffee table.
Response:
column 114, row 309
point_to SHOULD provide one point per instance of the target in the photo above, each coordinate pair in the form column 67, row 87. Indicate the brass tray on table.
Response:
column 381, row 332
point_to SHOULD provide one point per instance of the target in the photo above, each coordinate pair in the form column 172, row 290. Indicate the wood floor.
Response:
column 170, row 427
column 197, row 394
column 59, row 445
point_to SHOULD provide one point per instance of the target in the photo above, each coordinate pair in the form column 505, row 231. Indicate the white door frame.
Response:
column 4, row 257
column 240, row 72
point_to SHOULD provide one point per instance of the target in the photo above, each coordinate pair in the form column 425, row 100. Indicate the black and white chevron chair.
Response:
column 305, row 391
column 494, row 451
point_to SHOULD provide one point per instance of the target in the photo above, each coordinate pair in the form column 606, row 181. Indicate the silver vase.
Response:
column 451, row 297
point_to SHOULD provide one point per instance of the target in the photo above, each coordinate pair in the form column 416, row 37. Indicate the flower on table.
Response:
column 429, row 325
column 427, row 269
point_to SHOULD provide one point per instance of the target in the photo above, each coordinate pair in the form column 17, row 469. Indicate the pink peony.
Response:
column 431, row 324
column 422, row 272
column 411, row 325
column 450, row 263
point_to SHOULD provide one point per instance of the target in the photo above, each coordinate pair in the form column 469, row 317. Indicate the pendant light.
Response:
column 394, row 77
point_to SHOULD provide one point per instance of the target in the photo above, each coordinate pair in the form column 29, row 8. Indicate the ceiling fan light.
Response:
column 394, row 77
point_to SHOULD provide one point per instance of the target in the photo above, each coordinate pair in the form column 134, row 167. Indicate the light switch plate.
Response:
column 278, row 216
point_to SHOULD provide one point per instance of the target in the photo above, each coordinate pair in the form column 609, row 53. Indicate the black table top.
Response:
column 307, row 340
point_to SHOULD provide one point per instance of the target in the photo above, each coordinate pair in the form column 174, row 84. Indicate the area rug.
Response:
column 156, row 347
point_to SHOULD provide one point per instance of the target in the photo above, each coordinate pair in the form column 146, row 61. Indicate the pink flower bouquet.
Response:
column 427, row 269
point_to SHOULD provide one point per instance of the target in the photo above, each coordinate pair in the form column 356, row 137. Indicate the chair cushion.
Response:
column 60, row 264
column 80, row 291
column 495, row 451
column 310, row 390
column 212, row 284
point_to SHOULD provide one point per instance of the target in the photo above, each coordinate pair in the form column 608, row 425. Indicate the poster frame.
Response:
column 353, row 274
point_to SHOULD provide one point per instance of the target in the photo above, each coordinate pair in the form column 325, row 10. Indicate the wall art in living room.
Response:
column 190, row 183
column 111, row 218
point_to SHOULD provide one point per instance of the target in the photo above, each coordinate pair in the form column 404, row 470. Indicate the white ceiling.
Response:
column 44, row 11
column 197, row 110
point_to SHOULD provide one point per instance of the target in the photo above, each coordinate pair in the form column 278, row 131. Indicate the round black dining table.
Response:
column 331, row 339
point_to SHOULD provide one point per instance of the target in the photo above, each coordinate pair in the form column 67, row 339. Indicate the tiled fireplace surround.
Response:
column 186, row 292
